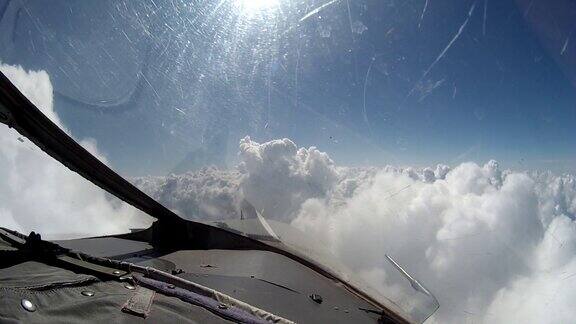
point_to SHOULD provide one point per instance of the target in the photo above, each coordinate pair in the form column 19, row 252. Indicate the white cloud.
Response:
column 36, row 86
column 494, row 246
column 286, row 174
column 464, row 237
column 38, row 193
column 208, row 194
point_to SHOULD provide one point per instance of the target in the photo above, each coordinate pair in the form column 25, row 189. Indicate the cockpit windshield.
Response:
column 411, row 147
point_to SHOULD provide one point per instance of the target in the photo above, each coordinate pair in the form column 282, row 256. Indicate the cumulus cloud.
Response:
column 38, row 193
column 288, row 175
column 493, row 245
column 207, row 194
column 464, row 236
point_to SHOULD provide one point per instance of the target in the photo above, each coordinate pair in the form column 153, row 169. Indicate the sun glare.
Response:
column 255, row 6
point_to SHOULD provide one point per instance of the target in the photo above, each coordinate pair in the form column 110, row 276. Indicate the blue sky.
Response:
column 165, row 88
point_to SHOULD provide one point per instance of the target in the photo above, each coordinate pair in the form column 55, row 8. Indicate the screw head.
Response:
column 129, row 287
column 125, row 277
column 316, row 298
column 28, row 305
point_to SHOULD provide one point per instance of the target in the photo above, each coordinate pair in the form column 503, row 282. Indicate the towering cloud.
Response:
column 288, row 175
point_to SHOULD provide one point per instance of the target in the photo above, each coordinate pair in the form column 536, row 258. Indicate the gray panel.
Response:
column 105, row 246
column 273, row 282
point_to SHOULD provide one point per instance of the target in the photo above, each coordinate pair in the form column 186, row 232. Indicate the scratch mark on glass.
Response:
column 565, row 46
column 423, row 13
column 317, row 10
column 445, row 50
column 296, row 77
column 484, row 20
column 528, row 8
column 364, row 114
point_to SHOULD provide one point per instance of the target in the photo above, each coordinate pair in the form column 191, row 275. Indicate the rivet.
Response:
column 170, row 286
column 346, row 311
column 27, row 305
column 87, row 293
column 222, row 306
column 129, row 287
column 117, row 272
column 336, row 308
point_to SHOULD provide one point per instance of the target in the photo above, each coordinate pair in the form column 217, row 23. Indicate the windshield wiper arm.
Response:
column 416, row 285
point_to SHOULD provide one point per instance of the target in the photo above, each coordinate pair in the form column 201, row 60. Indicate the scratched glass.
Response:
column 409, row 146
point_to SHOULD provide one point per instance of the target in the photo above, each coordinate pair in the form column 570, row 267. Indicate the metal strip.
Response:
column 225, row 309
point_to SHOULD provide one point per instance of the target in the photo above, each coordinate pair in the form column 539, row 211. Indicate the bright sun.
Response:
column 254, row 6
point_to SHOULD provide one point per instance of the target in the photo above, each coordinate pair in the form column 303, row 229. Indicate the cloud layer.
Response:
column 493, row 245
column 38, row 193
